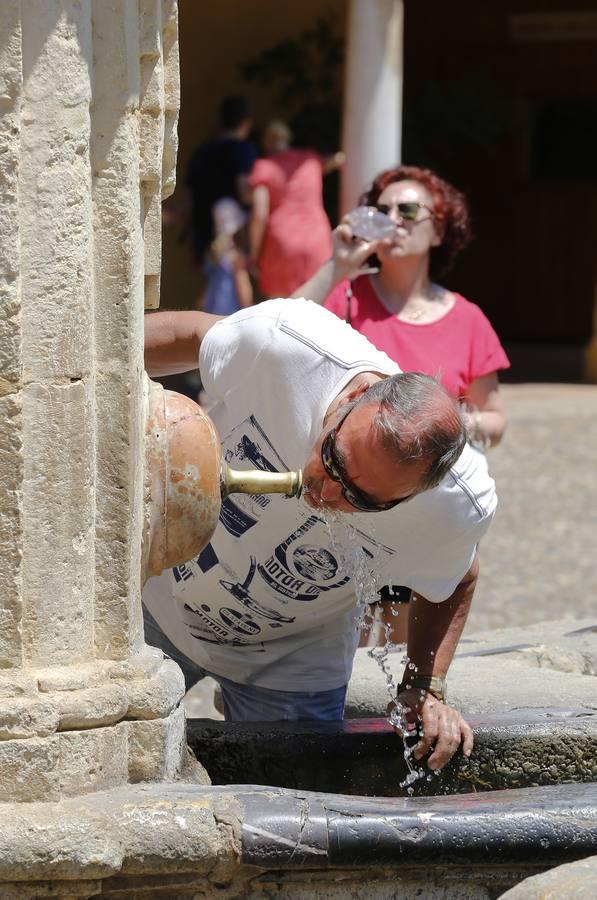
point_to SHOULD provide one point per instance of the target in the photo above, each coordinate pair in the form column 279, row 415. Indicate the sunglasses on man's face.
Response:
column 336, row 472
column 408, row 211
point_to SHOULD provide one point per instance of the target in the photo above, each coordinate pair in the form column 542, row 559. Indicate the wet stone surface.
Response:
column 365, row 757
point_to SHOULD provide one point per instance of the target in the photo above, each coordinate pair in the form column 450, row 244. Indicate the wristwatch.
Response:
column 433, row 684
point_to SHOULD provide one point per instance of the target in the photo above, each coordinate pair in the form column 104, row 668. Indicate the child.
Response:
column 228, row 283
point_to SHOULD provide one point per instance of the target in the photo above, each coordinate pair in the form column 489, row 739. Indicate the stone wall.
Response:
column 88, row 107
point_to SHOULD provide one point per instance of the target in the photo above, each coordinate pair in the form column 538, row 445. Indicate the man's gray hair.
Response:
column 418, row 421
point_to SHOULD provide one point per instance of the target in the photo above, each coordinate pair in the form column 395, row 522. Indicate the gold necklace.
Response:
column 431, row 296
column 415, row 315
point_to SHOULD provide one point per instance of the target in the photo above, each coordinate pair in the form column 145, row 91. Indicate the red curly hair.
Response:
column 450, row 211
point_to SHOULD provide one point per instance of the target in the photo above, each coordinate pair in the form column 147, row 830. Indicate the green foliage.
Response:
column 304, row 74
column 443, row 120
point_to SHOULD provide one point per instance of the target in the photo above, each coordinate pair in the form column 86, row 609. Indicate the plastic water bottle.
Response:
column 369, row 224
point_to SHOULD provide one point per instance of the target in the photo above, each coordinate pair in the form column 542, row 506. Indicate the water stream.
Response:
column 361, row 567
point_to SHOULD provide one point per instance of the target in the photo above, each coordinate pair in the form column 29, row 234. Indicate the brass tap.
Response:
column 256, row 481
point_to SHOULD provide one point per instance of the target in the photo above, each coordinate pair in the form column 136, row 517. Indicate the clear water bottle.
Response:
column 369, row 224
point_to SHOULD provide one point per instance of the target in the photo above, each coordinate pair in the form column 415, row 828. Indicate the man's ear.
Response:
column 358, row 386
column 355, row 389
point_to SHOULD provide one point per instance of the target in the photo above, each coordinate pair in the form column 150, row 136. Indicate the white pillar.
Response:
column 372, row 126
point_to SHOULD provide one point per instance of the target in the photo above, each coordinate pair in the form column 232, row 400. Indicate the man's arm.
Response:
column 434, row 630
column 173, row 339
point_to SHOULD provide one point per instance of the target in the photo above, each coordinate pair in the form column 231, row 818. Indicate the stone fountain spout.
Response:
column 186, row 479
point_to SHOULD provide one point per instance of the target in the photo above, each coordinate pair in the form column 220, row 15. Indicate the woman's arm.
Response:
column 348, row 257
column 173, row 339
column 242, row 282
column 333, row 162
column 486, row 421
column 258, row 222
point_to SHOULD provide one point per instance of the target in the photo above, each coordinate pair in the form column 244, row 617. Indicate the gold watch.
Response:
column 433, row 684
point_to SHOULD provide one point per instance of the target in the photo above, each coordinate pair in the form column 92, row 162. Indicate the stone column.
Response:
column 372, row 127
column 88, row 98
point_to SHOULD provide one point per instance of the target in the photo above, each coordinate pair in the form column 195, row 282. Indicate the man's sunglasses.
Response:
column 409, row 210
column 336, row 472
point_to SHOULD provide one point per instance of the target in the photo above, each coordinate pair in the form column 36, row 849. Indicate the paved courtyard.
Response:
column 539, row 560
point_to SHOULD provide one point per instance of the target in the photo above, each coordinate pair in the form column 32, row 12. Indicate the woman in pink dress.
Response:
column 289, row 231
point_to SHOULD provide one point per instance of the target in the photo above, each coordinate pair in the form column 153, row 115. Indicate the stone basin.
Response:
column 333, row 820
column 517, row 749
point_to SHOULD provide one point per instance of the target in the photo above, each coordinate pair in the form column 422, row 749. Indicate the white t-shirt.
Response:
column 270, row 601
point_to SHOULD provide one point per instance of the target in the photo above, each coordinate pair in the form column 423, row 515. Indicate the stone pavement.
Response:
column 574, row 881
column 550, row 664
column 539, row 560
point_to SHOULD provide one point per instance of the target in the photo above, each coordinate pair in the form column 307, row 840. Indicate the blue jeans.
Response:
column 250, row 703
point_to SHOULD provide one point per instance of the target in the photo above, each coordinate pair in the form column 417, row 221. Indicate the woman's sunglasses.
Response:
column 336, row 472
column 409, row 210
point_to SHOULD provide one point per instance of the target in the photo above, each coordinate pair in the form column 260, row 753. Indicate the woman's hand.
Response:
column 442, row 728
column 349, row 254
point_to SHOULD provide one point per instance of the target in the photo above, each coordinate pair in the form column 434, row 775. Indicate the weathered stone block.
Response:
column 55, row 200
column 68, row 678
column 92, row 707
column 11, row 525
column 152, row 226
column 16, row 683
column 157, row 749
column 575, row 881
column 10, row 637
column 144, row 664
column 93, row 760
column 150, row 26
column 58, row 508
column 36, row 890
column 155, row 698
column 23, row 717
column 151, row 133
column 28, row 770
column 117, row 612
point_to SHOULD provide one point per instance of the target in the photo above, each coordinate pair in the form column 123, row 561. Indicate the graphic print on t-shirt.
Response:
column 241, row 593
column 230, row 626
column 300, row 570
column 239, row 600
column 248, row 442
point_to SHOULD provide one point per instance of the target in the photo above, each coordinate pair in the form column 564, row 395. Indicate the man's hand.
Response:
column 443, row 729
column 434, row 630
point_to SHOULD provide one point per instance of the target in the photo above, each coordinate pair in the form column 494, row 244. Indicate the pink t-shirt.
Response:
column 298, row 235
column 457, row 348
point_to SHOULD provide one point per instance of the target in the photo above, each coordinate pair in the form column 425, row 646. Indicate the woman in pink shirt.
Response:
column 423, row 326
column 402, row 309
column 289, row 231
